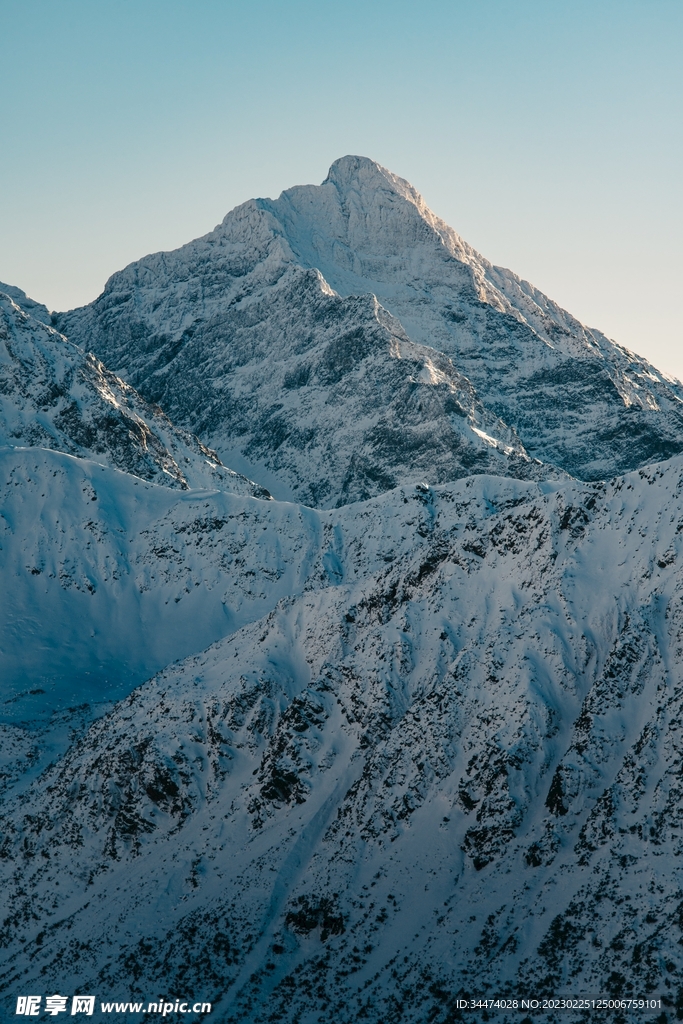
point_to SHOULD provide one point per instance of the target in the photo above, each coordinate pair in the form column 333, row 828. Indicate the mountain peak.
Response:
column 28, row 305
column 349, row 169
column 361, row 174
column 270, row 288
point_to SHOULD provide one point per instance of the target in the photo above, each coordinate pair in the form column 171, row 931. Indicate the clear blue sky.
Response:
column 549, row 133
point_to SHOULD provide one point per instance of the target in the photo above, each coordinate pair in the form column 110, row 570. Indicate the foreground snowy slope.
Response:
column 449, row 765
column 54, row 395
column 108, row 578
column 192, row 330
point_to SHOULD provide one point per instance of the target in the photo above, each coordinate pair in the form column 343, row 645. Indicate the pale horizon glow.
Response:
column 548, row 136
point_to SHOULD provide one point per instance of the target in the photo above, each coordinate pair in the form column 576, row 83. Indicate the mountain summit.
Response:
column 574, row 397
column 342, row 338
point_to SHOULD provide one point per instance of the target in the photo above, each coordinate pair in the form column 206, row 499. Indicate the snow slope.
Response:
column 224, row 307
column 107, row 578
column 450, row 764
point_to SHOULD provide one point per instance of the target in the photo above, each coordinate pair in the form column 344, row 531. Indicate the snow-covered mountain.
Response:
column 411, row 734
column 109, row 578
column 37, row 310
column 55, row 395
column 190, row 329
column 327, row 395
column 450, row 765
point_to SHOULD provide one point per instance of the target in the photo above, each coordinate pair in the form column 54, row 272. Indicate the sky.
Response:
column 548, row 133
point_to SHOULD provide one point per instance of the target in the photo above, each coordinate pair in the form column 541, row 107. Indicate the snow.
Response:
column 113, row 577
column 54, row 394
column 361, row 250
column 492, row 441
column 350, row 761
column 466, row 714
